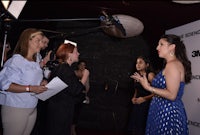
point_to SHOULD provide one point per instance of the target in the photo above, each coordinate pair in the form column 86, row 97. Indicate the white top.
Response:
column 19, row 70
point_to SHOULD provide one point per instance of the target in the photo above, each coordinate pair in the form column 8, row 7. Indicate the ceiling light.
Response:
column 186, row 1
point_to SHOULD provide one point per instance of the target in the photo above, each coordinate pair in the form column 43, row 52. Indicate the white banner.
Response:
column 190, row 34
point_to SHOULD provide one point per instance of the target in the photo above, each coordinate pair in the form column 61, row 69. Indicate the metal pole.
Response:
column 4, row 47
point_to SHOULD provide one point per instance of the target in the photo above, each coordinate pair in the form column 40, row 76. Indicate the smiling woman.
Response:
column 20, row 78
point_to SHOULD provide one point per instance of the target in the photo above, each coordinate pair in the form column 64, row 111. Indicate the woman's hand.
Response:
column 138, row 100
column 142, row 79
column 43, row 82
column 37, row 89
column 134, row 100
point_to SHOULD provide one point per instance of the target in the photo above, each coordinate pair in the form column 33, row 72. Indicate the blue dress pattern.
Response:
column 166, row 117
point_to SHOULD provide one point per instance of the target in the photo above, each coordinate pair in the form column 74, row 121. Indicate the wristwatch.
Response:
column 28, row 88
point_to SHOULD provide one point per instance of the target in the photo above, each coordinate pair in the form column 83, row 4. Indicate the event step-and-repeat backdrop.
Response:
column 190, row 34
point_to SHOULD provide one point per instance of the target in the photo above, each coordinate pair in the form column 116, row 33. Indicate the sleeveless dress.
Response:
column 166, row 117
column 139, row 112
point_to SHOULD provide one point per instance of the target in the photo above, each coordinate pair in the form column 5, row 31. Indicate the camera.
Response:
column 52, row 63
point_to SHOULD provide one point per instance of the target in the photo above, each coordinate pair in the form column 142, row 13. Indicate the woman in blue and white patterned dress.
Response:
column 167, row 114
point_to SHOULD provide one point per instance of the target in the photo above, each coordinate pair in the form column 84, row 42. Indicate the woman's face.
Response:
column 75, row 55
column 140, row 65
column 45, row 42
column 163, row 48
column 8, row 48
column 35, row 43
column 82, row 66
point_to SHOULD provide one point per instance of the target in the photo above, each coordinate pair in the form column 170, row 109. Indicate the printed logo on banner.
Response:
column 195, row 77
column 194, row 123
column 189, row 34
column 196, row 53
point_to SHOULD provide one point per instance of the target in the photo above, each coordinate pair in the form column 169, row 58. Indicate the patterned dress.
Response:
column 166, row 117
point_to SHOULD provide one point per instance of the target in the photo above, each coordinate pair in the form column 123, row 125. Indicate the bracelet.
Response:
column 28, row 88
column 152, row 90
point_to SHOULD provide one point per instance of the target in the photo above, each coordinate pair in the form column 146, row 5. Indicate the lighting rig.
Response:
column 9, row 10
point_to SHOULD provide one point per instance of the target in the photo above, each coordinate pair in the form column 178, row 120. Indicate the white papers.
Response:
column 54, row 86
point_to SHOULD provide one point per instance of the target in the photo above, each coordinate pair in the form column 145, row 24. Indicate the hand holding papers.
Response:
column 54, row 86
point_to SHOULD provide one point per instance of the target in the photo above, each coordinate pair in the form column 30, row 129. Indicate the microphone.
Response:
column 110, row 20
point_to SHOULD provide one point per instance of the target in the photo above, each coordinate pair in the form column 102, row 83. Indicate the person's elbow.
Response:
column 172, row 97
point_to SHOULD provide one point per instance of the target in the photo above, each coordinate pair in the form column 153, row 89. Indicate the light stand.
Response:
column 7, row 27
column 12, row 9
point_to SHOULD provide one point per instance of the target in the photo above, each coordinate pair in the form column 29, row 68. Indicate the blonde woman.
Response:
column 20, row 77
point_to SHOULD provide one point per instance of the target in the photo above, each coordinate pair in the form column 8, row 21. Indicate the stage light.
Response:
column 14, row 7
column 122, row 26
column 186, row 1
column 5, row 3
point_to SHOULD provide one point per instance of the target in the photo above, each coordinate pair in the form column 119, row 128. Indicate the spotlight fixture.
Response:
column 14, row 7
column 5, row 3
column 186, row 1
column 120, row 25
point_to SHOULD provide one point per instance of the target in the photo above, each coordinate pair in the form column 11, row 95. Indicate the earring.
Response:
column 171, row 53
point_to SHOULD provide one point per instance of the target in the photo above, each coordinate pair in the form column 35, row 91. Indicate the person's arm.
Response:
column 133, row 99
column 135, row 93
column 45, row 60
column 146, row 98
column 151, row 75
column 16, row 88
column 87, row 85
column 85, row 77
column 173, row 79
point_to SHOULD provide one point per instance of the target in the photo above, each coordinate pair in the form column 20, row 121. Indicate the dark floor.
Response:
column 93, row 132
column 107, row 113
column 97, row 132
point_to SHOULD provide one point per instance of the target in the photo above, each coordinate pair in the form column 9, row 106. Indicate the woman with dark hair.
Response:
column 81, row 66
column 141, row 98
column 167, row 113
column 60, row 108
